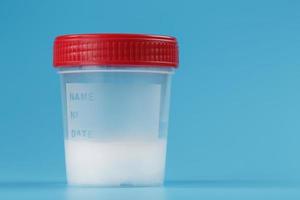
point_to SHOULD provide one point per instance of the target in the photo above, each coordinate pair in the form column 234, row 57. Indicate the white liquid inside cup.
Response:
column 115, row 163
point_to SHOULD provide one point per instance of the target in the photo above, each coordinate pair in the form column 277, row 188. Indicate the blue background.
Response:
column 235, row 106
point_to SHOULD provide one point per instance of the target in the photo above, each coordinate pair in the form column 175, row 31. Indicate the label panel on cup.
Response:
column 109, row 111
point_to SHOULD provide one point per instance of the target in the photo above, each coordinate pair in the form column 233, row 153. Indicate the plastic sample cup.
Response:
column 115, row 93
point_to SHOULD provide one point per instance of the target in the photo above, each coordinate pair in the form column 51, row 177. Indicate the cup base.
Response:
column 115, row 164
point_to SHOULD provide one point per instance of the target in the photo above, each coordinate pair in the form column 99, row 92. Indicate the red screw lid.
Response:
column 115, row 49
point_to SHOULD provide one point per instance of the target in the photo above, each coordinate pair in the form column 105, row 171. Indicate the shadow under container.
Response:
column 115, row 94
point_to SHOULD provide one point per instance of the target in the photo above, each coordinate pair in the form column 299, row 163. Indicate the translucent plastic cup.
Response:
column 115, row 116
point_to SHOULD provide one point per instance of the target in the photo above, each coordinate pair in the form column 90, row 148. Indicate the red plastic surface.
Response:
column 115, row 50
